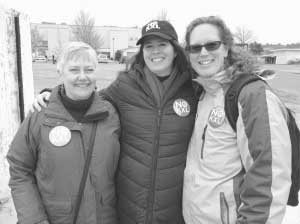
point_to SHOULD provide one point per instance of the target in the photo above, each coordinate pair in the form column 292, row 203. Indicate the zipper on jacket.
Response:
column 224, row 208
column 158, row 120
column 203, row 141
column 149, row 214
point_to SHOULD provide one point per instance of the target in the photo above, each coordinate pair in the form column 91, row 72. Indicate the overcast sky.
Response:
column 271, row 21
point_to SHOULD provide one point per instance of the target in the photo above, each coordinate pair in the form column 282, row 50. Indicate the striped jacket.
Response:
column 238, row 177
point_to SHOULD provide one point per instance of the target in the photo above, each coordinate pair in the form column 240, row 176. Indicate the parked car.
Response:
column 39, row 59
column 103, row 58
column 295, row 61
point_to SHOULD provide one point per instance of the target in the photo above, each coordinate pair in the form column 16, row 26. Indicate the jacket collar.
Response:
column 180, row 78
column 97, row 111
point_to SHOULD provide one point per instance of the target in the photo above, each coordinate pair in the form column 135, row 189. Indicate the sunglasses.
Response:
column 210, row 46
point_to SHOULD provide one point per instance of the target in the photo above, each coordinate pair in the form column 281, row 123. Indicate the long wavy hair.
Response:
column 239, row 59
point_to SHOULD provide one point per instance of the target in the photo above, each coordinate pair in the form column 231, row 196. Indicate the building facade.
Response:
column 282, row 56
column 112, row 38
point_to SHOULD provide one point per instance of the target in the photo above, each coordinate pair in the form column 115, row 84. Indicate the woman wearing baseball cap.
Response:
column 157, row 107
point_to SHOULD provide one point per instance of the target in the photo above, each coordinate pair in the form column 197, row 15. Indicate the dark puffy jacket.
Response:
column 45, row 177
column 154, row 144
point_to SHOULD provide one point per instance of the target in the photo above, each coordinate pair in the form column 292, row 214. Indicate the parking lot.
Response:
column 286, row 81
column 46, row 76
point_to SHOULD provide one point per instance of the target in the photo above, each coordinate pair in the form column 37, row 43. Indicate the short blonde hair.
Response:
column 75, row 50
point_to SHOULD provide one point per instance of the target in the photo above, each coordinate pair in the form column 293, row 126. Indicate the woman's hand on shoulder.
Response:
column 40, row 101
column 44, row 222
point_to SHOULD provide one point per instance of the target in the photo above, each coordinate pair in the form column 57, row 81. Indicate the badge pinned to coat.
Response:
column 60, row 136
column 216, row 117
column 181, row 107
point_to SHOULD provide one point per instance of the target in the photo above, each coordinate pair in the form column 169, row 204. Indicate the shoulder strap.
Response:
column 295, row 144
column 231, row 111
column 85, row 172
column 232, row 95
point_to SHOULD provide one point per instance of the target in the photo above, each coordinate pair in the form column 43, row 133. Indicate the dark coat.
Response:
column 154, row 144
column 45, row 177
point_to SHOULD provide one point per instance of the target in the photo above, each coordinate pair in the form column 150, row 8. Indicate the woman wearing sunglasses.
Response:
column 233, row 177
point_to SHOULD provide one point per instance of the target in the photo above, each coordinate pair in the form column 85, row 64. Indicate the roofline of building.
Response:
column 285, row 49
column 65, row 24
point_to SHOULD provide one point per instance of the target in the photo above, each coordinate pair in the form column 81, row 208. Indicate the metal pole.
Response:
column 19, row 68
column 113, row 42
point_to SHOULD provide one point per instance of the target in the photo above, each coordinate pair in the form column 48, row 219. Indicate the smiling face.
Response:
column 158, row 55
column 207, row 62
column 79, row 77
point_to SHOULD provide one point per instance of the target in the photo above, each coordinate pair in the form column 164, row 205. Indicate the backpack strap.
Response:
column 295, row 144
column 232, row 113
column 232, row 95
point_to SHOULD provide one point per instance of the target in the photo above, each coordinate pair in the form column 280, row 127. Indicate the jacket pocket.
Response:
column 203, row 141
column 59, row 211
column 224, row 209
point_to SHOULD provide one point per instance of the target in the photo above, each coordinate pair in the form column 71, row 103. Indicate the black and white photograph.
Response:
column 149, row 112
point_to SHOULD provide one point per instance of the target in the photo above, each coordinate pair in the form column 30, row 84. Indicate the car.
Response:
column 39, row 59
column 103, row 58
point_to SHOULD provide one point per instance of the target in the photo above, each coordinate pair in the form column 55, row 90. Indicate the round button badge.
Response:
column 181, row 107
column 60, row 136
column 216, row 117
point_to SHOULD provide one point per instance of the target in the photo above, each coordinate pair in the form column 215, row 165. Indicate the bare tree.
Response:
column 36, row 39
column 256, row 48
column 84, row 30
column 243, row 35
column 57, row 49
column 163, row 15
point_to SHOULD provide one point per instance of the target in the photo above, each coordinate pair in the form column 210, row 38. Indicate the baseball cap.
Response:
column 160, row 28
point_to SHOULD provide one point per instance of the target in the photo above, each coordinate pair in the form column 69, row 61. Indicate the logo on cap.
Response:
column 152, row 25
column 216, row 117
column 181, row 107
column 159, row 28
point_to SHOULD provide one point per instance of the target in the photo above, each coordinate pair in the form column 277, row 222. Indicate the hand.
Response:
column 43, row 222
column 40, row 101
